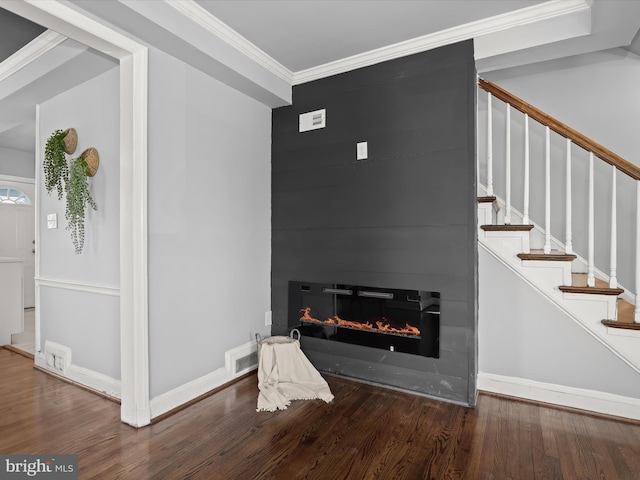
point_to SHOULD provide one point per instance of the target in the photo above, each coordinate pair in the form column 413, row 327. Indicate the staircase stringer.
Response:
column 537, row 240
column 575, row 307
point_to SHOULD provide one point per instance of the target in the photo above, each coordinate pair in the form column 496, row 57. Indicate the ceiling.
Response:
column 307, row 39
column 304, row 35
column 307, row 33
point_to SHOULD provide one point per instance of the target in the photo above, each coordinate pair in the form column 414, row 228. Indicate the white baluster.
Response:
column 591, row 279
column 547, row 192
column 525, row 212
column 613, row 279
column 568, row 249
column 636, row 316
column 507, row 169
column 489, row 147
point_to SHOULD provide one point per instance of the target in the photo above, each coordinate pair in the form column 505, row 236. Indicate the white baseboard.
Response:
column 583, row 399
column 83, row 376
column 184, row 393
column 162, row 403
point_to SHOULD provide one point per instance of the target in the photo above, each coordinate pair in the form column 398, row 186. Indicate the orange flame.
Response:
column 382, row 326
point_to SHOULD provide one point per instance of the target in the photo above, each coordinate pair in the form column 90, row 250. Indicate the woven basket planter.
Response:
column 92, row 158
column 70, row 140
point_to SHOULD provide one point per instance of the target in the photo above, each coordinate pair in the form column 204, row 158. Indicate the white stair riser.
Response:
column 593, row 307
column 511, row 242
column 485, row 214
column 561, row 271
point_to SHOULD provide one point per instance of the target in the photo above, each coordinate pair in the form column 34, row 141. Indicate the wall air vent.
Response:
column 247, row 362
column 313, row 120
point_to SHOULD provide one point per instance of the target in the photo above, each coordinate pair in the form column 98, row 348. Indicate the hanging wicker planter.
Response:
column 70, row 140
column 79, row 197
column 92, row 158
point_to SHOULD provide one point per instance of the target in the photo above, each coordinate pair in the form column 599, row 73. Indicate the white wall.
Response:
column 596, row 94
column 17, row 163
column 209, row 221
column 523, row 335
column 81, row 311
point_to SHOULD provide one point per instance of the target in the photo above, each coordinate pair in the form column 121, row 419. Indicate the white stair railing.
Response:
column 571, row 136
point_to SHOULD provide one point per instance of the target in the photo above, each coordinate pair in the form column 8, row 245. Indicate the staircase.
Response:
column 570, row 279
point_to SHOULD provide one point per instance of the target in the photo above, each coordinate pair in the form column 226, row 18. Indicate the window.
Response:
column 13, row 196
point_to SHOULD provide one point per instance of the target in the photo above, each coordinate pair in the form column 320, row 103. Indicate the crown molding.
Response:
column 536, row 13
column 30, row 52
column 213, row 25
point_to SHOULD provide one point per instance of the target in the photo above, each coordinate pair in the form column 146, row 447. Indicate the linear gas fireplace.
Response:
column 391, row 319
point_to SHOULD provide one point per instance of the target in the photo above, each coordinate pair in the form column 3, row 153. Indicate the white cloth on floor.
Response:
column 285, row 374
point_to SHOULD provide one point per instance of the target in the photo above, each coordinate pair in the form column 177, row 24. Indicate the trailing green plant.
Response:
column 78, row 197
column 56, row 168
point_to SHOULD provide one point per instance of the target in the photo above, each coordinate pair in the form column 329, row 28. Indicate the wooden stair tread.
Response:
column 554, row 256
column 626, row 326
column 506, row 228
column 491, row 199
column 579, row 285
column 591, row 290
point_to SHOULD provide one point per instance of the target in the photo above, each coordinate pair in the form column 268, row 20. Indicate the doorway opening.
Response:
column 17, row 242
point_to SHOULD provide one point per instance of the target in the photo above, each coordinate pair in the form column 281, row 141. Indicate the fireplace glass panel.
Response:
column 392, row 319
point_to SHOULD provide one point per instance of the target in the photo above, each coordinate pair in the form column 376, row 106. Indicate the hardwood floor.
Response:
column 366, row 433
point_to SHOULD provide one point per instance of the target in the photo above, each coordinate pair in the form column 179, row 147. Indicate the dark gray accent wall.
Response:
column 15, row 33
column 404, row 218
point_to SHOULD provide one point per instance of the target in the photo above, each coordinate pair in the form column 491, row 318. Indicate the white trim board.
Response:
column 10, row 178
column 184, row 393
column 30, row 52
column 583, row 399
column 548, row 294
column 486, row 26
column 78, row 286
column 499, row 23
column 197, row 14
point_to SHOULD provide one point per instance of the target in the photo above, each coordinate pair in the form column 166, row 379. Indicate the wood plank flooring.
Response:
column 366, row 433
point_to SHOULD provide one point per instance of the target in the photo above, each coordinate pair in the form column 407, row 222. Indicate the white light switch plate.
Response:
column 362, row 151
column 52, row 220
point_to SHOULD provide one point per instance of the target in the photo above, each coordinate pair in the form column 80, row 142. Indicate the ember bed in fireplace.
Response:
column 397, row 320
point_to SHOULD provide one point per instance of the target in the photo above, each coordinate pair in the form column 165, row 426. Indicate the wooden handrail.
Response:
column 560, row 128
